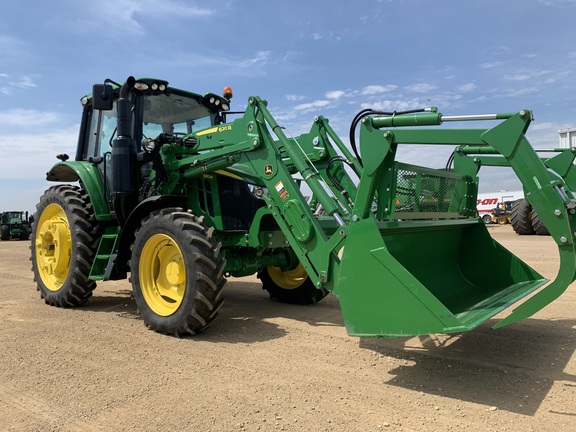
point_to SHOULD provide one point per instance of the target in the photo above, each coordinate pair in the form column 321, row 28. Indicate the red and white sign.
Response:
column 487, row 201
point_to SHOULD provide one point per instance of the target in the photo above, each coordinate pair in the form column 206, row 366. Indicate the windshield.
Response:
column 173, row 113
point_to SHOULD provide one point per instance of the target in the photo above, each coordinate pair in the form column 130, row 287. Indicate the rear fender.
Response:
column 91, row 180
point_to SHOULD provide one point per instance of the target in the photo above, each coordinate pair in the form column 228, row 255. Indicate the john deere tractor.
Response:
column 14, row 225
column 176, row 190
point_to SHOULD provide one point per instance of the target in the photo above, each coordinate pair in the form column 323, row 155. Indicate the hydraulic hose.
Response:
column 333, row 179
column 367, row 112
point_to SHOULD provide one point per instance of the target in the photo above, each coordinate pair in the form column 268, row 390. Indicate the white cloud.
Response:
column 491, row 65
column 518, row 92
column 127, row 14
column 27, row 118
column 376, row 89
column 312, row 105
column 421, row 88
column 335, row 94
column 24, row 82
column 27, row 156
column 394, row 105
column 517, row 77
column 559, row 3
column 290, row 55
column 261, row 57
column 295, row 97
column 468, row 87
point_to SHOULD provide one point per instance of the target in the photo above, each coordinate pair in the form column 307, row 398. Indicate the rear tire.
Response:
column 538, row 226
column 521, row 217
column 65, row 235
column 487, row 219
column 291, row 286
column 177, row 272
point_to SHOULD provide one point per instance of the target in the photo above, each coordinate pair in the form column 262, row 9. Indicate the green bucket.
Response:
column 405, row 278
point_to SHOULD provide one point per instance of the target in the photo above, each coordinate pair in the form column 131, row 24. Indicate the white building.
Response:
column 567, row 138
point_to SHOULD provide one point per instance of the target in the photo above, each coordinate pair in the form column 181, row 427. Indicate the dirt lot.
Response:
column 268, row 366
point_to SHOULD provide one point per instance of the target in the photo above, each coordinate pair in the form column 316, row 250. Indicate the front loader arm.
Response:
column 401, row 249
column 255, row 148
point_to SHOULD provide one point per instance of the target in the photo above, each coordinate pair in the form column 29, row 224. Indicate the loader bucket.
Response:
column 426, row 277
column 416, row 259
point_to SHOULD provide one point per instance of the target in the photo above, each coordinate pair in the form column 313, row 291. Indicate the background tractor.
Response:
column 180, row 193
column 15, row 225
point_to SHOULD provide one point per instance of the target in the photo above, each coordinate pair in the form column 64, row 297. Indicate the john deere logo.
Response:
column 268, row 170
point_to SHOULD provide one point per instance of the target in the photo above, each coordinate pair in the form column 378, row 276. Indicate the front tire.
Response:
column 291, row 286
column 177, row 272
column 64, row 240
column 5, row 232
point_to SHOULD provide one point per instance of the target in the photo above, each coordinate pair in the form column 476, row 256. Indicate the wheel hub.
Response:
column 162, row 274
column 289, row 279
column 53, row 247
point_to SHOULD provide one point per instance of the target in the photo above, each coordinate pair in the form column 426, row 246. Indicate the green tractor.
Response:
column 178, row 191
column 15, row 225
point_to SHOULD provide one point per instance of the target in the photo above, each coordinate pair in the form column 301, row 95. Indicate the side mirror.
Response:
column 102, row 97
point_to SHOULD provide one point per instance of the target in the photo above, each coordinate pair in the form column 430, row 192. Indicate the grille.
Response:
column 426, row 193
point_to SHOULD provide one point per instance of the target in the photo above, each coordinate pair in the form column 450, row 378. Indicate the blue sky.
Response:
column 306, row 58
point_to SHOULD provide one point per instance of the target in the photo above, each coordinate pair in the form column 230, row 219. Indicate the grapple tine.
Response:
column 566, row 275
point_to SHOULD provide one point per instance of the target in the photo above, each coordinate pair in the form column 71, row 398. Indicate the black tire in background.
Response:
column 5, row 232
column 65, row 236
column 25, row 234
column 177, row 272
column 521, row 217
column 537, row 225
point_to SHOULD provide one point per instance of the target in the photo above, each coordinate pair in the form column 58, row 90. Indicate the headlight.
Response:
column 141, row 86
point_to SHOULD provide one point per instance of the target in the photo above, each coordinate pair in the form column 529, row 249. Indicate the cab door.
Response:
column 100, row 133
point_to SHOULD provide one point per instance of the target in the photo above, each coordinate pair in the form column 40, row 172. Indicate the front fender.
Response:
column 90, row 178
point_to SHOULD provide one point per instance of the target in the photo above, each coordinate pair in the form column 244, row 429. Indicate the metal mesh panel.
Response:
column 427, row 193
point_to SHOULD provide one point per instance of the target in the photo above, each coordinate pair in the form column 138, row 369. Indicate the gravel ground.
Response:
column 268, row 366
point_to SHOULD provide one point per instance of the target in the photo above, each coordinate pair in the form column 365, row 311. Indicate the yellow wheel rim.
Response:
column 162, row 273
column 53, row 243
column 289, row 279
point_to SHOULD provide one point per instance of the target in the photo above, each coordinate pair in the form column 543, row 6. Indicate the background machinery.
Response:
column 501, row 213
column 175, row 192
column 15, row 225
